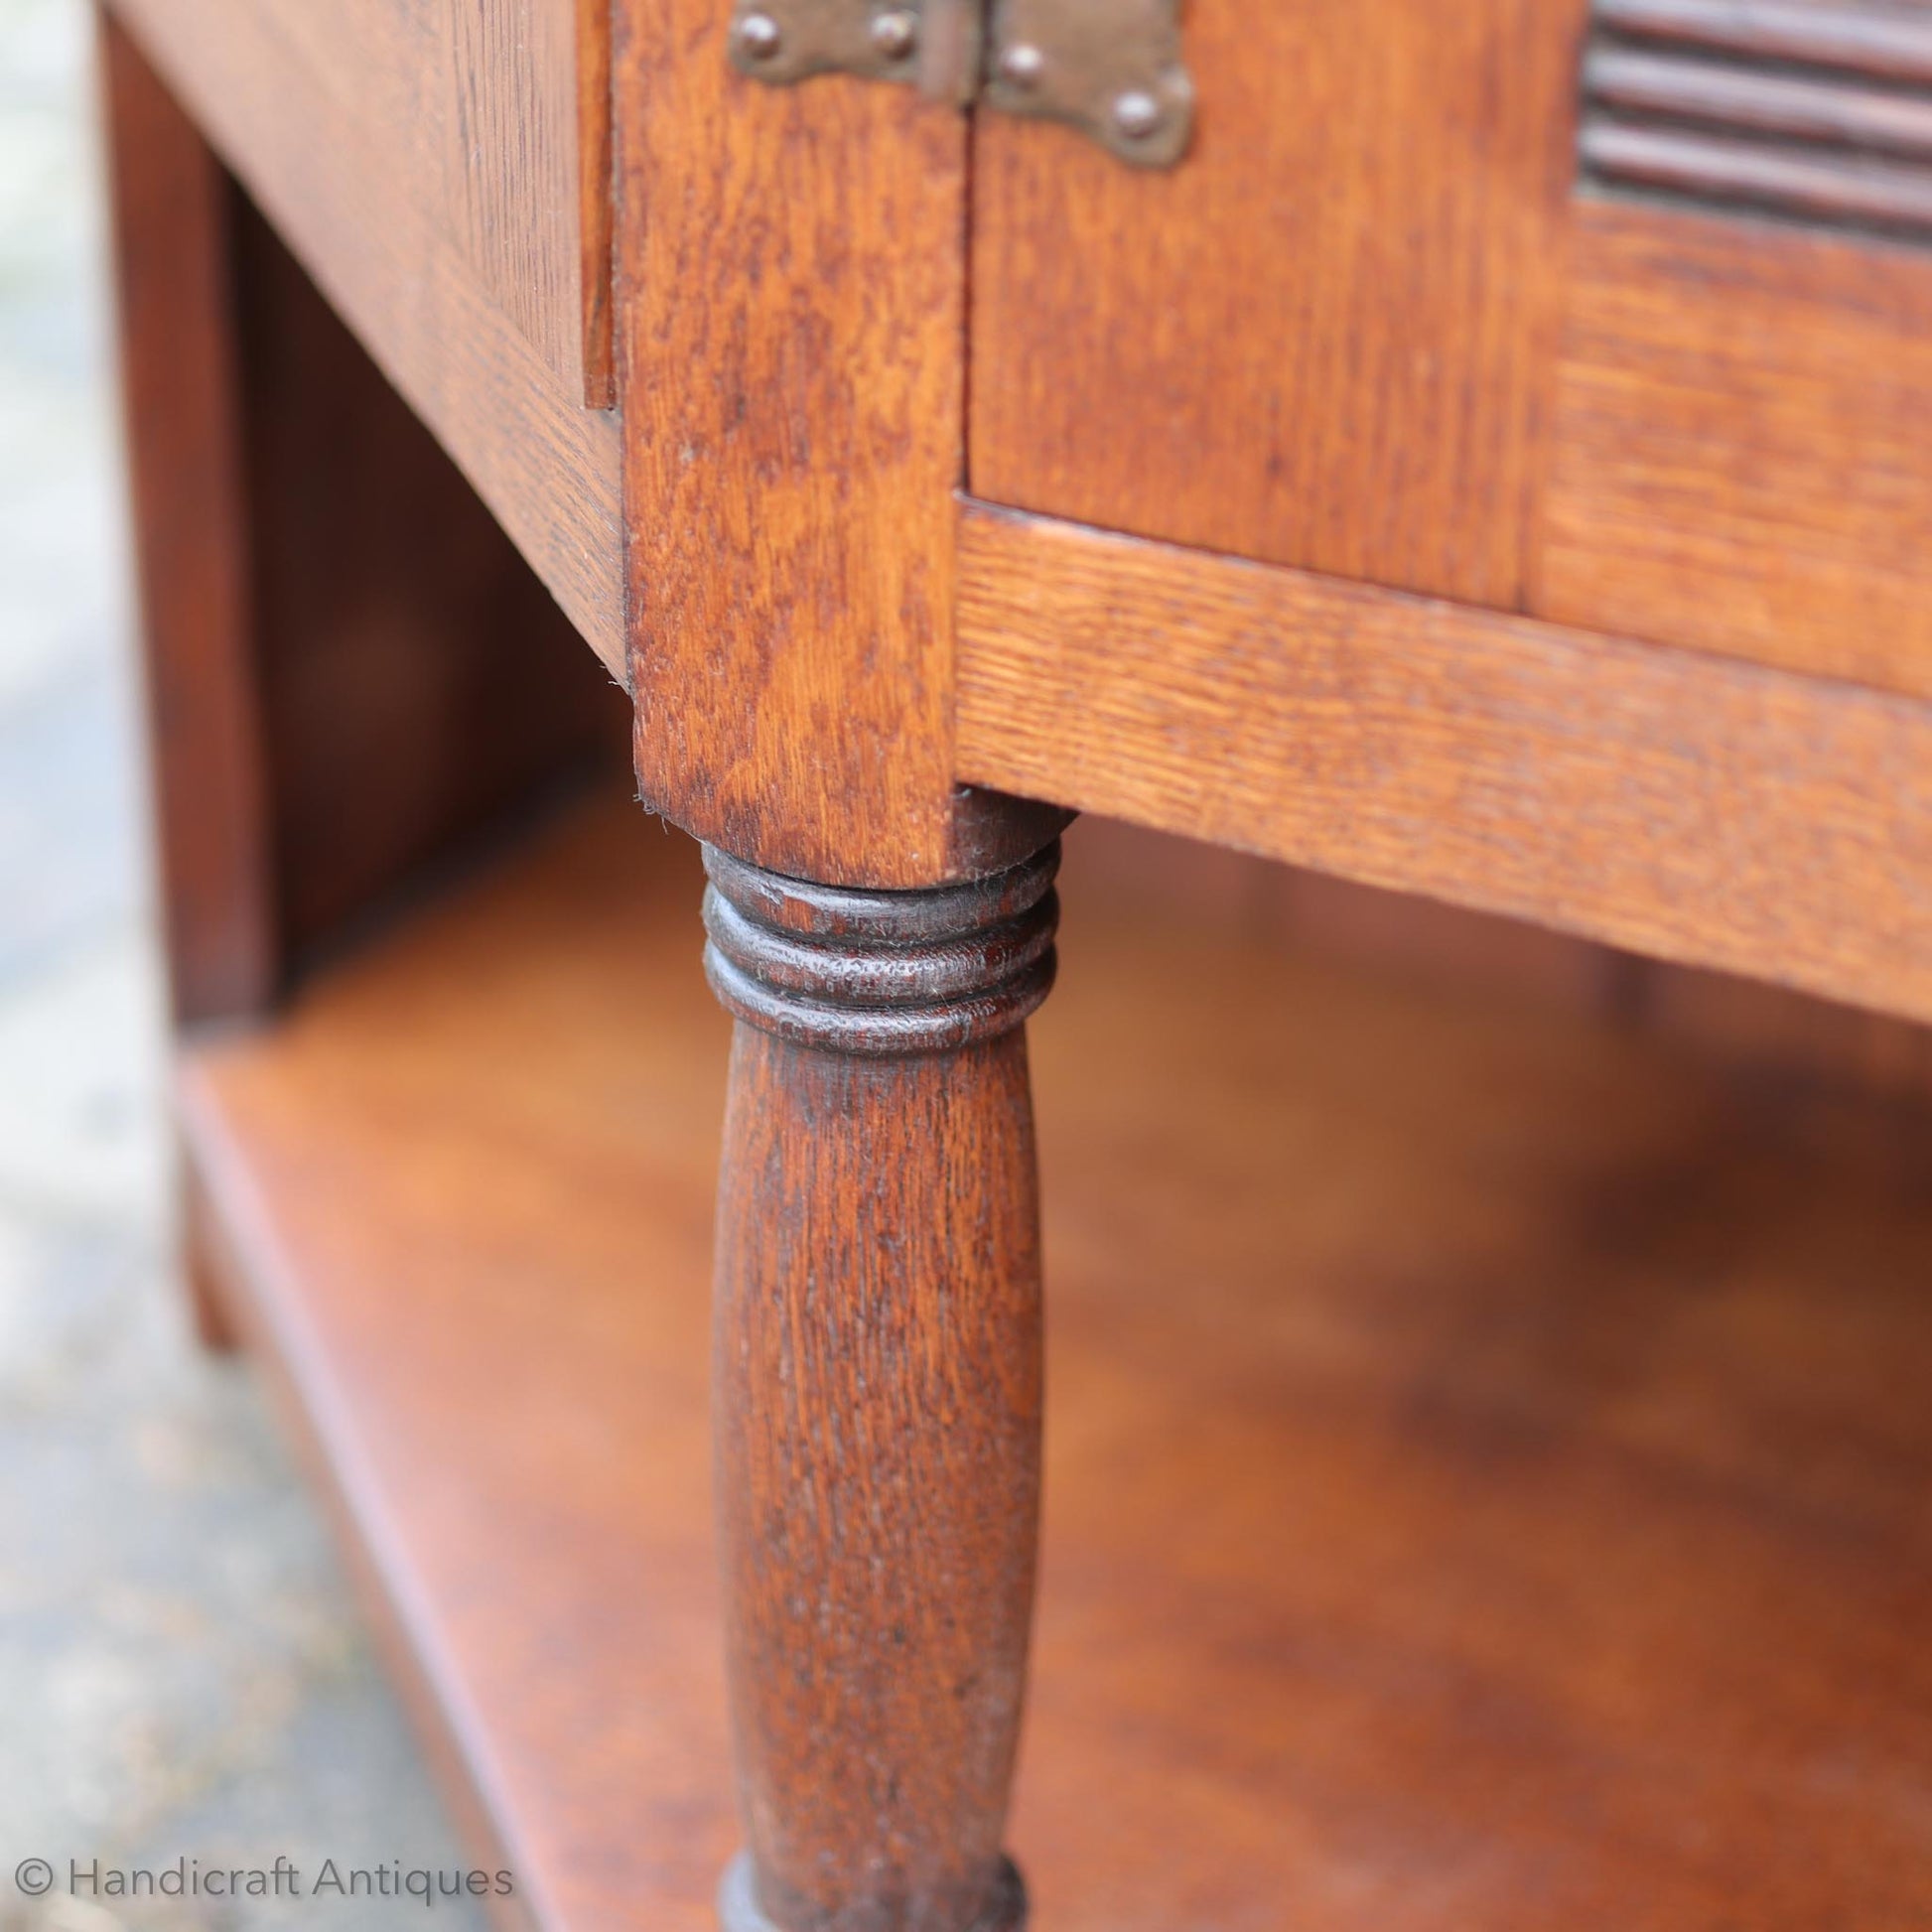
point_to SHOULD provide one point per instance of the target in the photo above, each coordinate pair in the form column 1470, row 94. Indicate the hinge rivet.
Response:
column 895, row 34
column 759, row 37
column 1113, row 69
column 1137, row 114
column 1022, row 64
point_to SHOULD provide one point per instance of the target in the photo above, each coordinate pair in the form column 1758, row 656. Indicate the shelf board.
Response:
column 1489, row 1461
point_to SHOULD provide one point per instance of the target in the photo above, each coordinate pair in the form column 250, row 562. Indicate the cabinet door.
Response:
column 1323, row 339
column 1617, row 314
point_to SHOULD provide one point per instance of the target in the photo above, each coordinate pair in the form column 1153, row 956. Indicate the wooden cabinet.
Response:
column 1493, row 463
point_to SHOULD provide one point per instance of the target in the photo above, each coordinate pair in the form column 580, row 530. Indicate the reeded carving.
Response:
column 1815, row 110
column 880, row 973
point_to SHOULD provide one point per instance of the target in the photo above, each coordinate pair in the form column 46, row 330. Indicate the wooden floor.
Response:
column 1489, row 1465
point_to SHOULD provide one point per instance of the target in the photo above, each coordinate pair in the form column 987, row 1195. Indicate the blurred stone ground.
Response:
column 181, row 1673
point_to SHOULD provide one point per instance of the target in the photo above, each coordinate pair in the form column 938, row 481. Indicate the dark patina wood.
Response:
column 877, row 1382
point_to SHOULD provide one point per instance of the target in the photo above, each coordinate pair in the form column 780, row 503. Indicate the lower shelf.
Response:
column 1489, row 1477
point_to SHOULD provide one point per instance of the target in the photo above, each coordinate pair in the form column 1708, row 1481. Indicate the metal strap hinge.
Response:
column 1112, row 68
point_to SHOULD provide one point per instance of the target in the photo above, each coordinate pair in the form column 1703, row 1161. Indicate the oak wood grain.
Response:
column 790, row 520
column 1489, row 1456
column 1743, row 446
column 596, row 204
column 877, row 1388
column 494, row 121
column 879, row 1458
column 528, row 152
column 1325, row 339
column 347, row 168
column 1677, row 804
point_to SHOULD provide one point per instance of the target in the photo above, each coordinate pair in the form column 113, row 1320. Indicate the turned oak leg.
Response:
column 877, row 1390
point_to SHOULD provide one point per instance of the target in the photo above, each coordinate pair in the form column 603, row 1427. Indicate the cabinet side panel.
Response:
column 524, row 129
column 476, row 110
column 1324, row 337
column 333, row 119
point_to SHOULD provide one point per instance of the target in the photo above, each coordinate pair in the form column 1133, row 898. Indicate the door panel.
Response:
column 1325, row 339
column 1743, row 444
column 1619, row 312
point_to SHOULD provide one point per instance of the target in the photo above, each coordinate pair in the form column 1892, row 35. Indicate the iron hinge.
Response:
column 1112, row 68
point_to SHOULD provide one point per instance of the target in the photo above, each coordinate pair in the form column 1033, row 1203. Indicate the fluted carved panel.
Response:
column 1815, row 110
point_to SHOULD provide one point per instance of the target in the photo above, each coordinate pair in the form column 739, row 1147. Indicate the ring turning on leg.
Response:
column 877, row 1390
